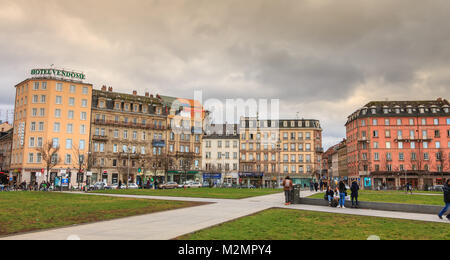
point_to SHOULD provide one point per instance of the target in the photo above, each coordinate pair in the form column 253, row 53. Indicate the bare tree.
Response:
column 49, row 153
column 81, row 161
column 186, row 161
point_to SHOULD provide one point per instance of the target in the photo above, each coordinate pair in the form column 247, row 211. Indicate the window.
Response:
column 84, row 103
column 71, row 114
column 388, row 145
column 56, row 127
column 82, row 129
column 44, row 85
column 375, row 133
column 436, row 121
column 59, row 87
column 35, row 99
column 374, row 122
column 58, row 100
column 68, row 143
column 72, row 88
column 82, row 145
column 36, row 86
column 31, row 143
column 399, row 122
column 411, row 121
column 83, row 116
column 57, row 113
column 43, row 99
column 375, row 145
column 376, row 156
column 69, row 128
column 68, row 159
column 386, row 122
column 41, row 126
column 400, row 145
column 55, row 142
column 438, row 145
column 72, row 101
column 448, row 121
column 425, row 145
column 31, row 158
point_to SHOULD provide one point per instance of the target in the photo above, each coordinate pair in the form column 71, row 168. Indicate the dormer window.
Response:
column 385, row 110
column 409, row 110
column 101, row 104
column 446, row 110
column 421, row 110
column 373, row 110
column 397, row 110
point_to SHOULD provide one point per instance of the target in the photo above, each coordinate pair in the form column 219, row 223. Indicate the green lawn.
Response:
column 220, row 193
column 284, row 224
column 28, row 211
column 395, row 197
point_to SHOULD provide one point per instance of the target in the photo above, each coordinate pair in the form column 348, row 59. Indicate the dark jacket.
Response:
column 342, row 188
column 330, row 193
column 354, row 189
column 446, row 193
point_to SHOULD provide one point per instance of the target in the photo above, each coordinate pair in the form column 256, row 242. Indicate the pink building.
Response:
column 392, row 143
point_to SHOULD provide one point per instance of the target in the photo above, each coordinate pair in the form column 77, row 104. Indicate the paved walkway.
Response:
column 174, row 223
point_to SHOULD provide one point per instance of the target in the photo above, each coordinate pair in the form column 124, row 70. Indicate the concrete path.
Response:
column 171, row 224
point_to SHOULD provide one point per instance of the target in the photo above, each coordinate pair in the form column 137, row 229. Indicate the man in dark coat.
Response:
column 446, row 200
column 354, row 195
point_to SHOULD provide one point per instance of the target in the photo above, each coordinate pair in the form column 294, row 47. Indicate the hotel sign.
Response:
column 58, row 73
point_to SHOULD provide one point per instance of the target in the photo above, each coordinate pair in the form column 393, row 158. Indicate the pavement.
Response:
column 174, row 223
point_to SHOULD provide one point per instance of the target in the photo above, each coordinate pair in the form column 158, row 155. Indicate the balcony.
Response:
column 100, row 138
column 128, row 124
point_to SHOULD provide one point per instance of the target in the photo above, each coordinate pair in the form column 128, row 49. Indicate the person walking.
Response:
column 355, row 190
column 316, row 186
column 330, row 195
column 446, row 200
column 342, row 194
column 288, row 187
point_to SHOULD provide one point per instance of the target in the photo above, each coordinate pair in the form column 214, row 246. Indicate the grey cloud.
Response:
column 321, row 58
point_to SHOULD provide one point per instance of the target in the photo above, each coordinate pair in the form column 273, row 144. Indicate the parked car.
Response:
column 131, row 186
column 99, row 186
column 113, row 186
column 195, row 185
column 169, row 185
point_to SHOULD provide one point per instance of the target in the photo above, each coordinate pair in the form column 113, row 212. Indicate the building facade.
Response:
column 393, row 143
column 273, row 149
column 184, row 138
column 5, row 156
column 220, row 162
column 52, row 111
column 128, row 133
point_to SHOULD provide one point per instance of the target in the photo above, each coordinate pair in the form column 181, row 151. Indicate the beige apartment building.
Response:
column 128, row 134
column 273, row 149
column 51, row 107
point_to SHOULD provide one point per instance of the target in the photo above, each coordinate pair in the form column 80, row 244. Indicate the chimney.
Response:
column 110, row 89
column 103, row 88
column 135, row 92
column 147, row 94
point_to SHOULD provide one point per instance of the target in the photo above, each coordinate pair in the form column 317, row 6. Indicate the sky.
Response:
column 322, row 59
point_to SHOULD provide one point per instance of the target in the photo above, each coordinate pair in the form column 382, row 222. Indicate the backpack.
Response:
column 334, row 203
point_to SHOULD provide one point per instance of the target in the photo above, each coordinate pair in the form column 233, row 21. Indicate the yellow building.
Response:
column 51, row 107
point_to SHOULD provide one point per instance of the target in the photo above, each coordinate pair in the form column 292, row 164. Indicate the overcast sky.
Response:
column 323, row 59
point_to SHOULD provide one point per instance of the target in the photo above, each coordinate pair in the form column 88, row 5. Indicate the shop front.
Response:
column 231, row 178
column 183, row 176
column 251, row 179
column 212, row 179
